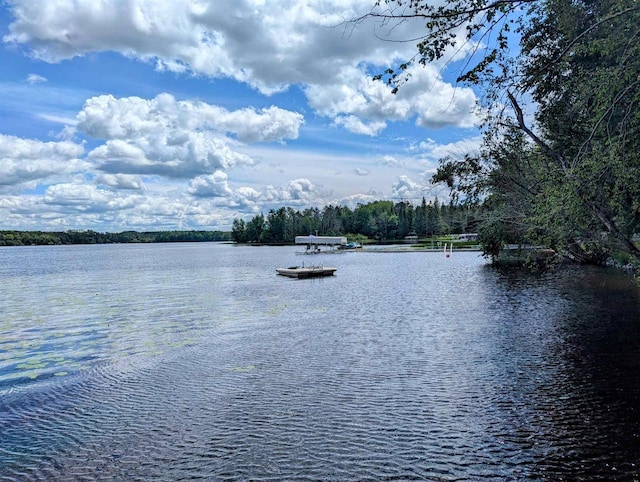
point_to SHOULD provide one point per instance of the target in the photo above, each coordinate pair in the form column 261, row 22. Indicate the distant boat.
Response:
column 350, row 245
column 306, row 272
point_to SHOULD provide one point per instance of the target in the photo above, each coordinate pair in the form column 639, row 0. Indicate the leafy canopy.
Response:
column 560, row 85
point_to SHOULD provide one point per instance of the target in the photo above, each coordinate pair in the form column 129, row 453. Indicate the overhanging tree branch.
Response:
column 539, row 142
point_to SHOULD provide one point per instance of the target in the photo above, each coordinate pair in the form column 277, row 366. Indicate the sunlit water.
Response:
column 183, row 361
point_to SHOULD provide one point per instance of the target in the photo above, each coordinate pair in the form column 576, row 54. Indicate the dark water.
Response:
column 186, row 361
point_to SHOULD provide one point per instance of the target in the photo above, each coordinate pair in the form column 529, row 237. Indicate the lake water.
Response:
column 185, row 361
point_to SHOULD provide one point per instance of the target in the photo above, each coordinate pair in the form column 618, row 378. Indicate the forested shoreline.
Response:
column 375, row 222
column 380, row 221
column 44, row 238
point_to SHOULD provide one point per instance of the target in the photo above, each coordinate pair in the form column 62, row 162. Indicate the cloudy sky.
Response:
column 155, row 115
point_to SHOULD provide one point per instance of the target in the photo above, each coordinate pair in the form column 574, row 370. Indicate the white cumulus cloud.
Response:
column 296, row 192
column 267, row 45
column 28, row 161
column 405, row 188
column 213, row 185
column 170, row 161
column 86, row 198
column 120, row 181
column 176, row 138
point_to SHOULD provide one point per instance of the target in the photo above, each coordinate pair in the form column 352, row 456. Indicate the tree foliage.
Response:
column 482, row 28
column 559, row 164
column 379, row 220
column 43, row 238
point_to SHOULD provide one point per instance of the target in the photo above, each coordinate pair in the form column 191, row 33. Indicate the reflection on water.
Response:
column 196, row 360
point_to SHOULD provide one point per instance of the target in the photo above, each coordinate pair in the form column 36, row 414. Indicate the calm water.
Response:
column 184, row 361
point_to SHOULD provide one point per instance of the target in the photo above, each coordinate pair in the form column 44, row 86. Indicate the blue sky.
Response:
column 154, row 115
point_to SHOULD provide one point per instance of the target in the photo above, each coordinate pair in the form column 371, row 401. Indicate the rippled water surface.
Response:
column 183, row 361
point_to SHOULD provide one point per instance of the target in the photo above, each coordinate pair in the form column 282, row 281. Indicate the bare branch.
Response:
column 523, row 126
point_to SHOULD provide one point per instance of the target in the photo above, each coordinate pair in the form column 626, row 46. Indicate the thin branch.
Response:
column 523, row 126
column 445, row 14
column 587, row 31
column 606, row 113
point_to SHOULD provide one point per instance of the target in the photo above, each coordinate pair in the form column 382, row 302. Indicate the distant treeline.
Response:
column 31, row 238
column 379, row 220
